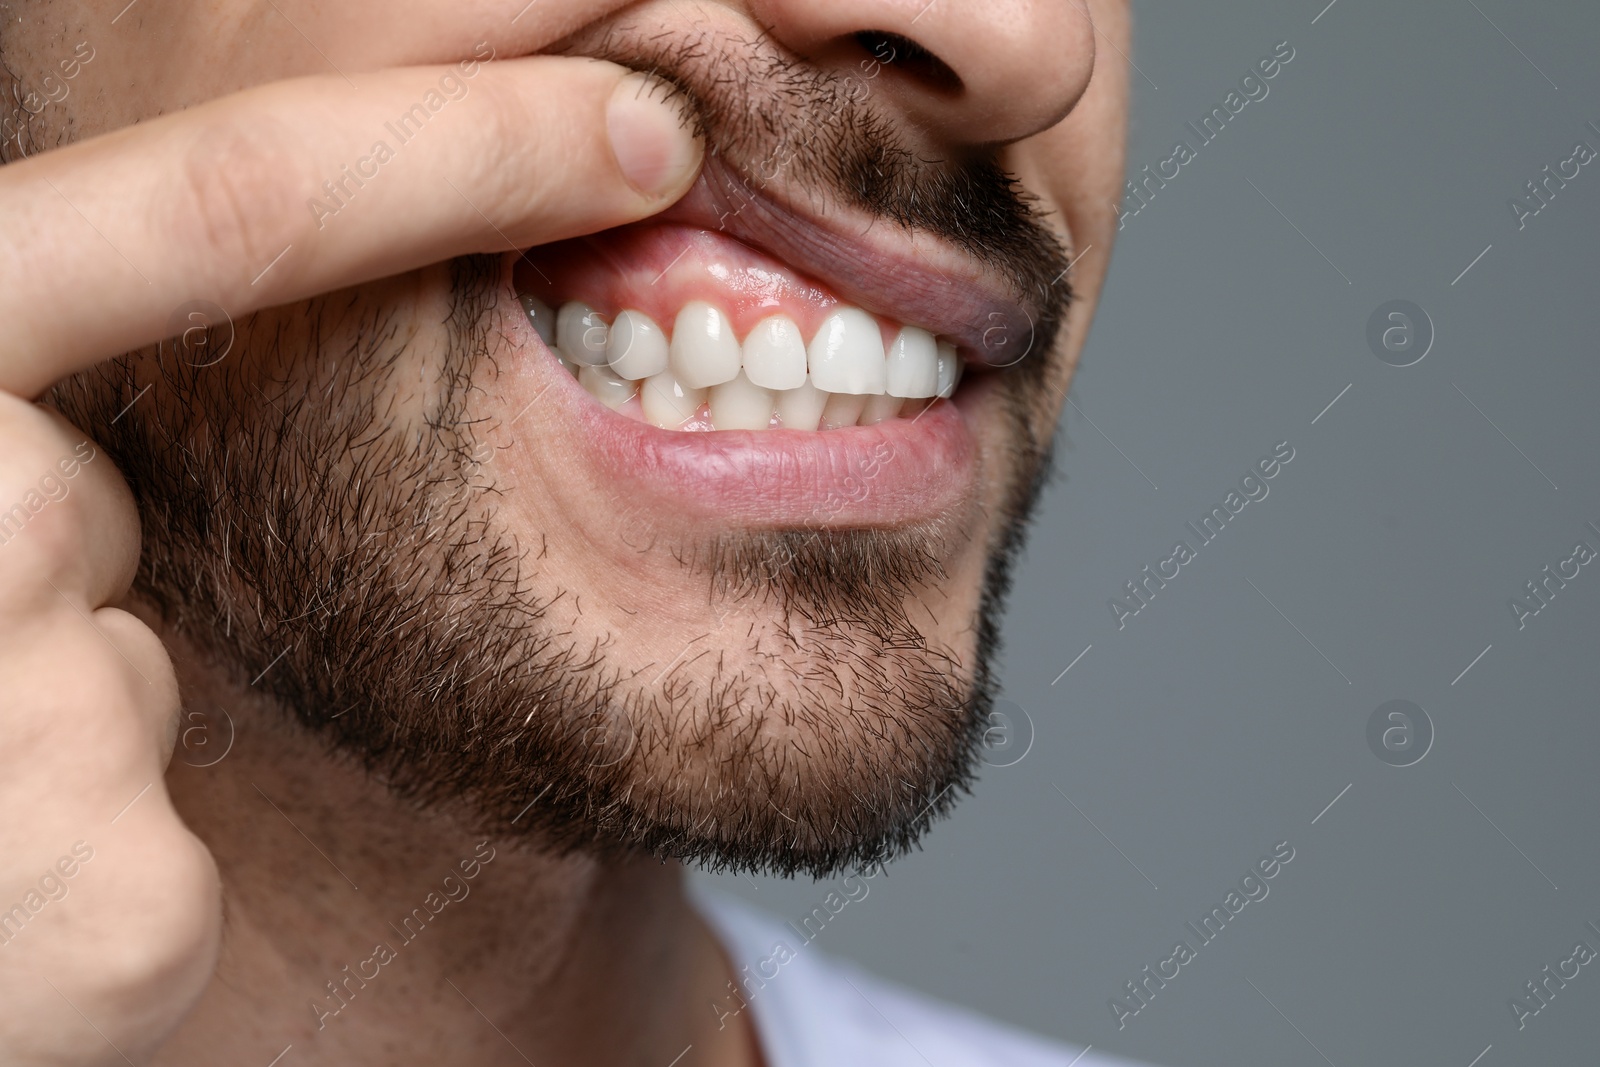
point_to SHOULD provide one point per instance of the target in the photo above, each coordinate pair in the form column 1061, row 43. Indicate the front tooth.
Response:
column 801, row 409
column 542, row 318
column 913, row 364
column 740, row 405
column 605, row 386
column 667, row 403
column 775, row 354
column 704, row 351
column 636, row 348
column 880, row 406
column 846, row 355
column 581, row 334
column 949, row 368
column 843, row 409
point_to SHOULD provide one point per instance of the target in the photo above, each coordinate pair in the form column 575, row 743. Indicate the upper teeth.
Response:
column 636, row 348
column 775, row 354
column 773, row 377
column 846, row 355
column 704, row 351
column 581, row 334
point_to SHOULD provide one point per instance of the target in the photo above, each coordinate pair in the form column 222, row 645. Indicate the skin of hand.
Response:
column 127, row 941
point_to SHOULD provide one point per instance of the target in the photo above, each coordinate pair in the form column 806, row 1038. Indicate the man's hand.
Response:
column 110, row 909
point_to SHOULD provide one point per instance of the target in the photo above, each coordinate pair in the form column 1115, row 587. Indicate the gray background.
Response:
column 1213, row 726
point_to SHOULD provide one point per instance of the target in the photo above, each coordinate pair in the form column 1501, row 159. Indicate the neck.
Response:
column 357, row 924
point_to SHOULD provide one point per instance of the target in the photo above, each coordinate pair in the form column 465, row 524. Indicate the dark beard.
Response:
column 360, row 561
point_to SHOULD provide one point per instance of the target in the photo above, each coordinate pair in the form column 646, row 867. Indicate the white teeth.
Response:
column 581, row 334
column 846, row 355
column 740, row 405
column 775, row 354
column 801, row 409
column 843, row 409
column 542, row 318
column 913, row 364
column 604, row 385
column 880, row 406
column 667, row 403
column 704, row 351
column 843, row 377
column 636, row 347
column 949, row 368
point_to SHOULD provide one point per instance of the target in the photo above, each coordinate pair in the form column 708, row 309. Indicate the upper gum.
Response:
column 654, row 271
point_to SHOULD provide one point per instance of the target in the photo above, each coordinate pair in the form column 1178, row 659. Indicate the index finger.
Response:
column 281, row 192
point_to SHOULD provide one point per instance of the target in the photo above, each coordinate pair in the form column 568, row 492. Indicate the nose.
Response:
column 975, row 71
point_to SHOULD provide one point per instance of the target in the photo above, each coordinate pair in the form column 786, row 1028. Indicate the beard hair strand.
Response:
column 359, row 552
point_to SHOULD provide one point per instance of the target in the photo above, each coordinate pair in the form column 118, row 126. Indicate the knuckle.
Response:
column 39, row 522
column 38, row 541
column 168, row 912
column 144, row 675
column 66, row 518
column 29, row 441
column 236, row 205
column 76, row 709
column 503, row 155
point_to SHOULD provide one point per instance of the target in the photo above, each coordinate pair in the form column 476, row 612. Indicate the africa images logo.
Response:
column 1252, row 488
column 1253, row 87
column 1252, row 888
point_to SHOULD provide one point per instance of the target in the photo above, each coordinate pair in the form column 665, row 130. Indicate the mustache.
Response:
column 798, row 132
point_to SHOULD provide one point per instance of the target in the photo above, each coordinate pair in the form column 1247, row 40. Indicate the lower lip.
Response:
column 897, row 473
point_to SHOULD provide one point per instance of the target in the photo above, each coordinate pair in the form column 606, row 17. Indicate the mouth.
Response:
column 735, row 358
column 689, row 331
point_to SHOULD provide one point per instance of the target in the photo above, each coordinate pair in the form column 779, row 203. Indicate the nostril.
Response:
column 910, row 58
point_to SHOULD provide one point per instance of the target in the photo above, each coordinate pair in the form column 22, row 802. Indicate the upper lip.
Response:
column 912, row 277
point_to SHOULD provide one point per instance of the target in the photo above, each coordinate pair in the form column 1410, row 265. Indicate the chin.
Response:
column 685, row 539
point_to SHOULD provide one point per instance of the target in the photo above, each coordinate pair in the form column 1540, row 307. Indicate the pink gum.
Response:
column 658, row 268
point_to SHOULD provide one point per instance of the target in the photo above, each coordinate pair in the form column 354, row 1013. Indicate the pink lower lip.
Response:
column 897, row 473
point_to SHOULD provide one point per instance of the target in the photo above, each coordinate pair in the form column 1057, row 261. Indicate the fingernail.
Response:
column 651, row 136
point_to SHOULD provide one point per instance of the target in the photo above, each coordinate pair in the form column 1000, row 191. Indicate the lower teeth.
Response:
column 738, row 405
column 662, row 400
